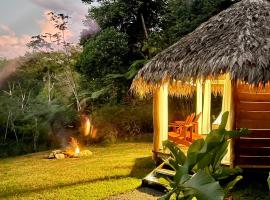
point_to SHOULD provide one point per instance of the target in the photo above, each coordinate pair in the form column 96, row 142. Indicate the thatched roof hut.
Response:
column 231, row 50
column 236, row 41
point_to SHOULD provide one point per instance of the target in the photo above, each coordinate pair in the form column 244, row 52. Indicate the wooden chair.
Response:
column 180, row 129
column 187, row 131
column 194, row 133
column 176, row 125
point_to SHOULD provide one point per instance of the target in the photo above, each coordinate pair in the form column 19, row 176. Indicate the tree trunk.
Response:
column 144, row 26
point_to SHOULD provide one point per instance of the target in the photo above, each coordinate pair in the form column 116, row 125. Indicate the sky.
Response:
column 21, row 19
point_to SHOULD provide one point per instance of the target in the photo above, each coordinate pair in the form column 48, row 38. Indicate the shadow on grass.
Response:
column 141, row 167
column 150, row 191
column 58, row 186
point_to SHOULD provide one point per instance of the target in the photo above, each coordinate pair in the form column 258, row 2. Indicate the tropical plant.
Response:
column 198, row 173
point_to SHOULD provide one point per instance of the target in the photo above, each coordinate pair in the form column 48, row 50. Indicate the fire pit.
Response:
column 72, row 151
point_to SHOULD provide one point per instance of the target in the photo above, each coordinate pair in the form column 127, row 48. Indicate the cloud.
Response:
column 6, row 30
column 11, row 45
column 74, row 9
column 69, row 6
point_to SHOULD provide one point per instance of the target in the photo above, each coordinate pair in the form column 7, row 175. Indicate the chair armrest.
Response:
column 189, row 125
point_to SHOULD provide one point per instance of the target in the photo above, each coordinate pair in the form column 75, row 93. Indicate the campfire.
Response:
column 71, row 151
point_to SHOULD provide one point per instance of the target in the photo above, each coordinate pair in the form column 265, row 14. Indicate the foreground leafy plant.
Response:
column 198, row 173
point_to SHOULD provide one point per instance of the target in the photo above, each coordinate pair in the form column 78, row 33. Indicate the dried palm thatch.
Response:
column 236, row 41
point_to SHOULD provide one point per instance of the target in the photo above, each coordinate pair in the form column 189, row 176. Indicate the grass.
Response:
column 110, row 170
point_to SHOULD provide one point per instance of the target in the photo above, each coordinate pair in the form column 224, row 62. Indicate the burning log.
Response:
column 72, row 151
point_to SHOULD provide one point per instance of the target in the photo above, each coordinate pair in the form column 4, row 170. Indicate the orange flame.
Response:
column 77, row 150
column 73, row 148
column 86, row 125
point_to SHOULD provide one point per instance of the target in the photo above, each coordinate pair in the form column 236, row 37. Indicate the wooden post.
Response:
column 160, row 118
column 199, row 104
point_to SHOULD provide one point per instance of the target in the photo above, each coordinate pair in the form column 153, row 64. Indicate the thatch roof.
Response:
column 237, row 41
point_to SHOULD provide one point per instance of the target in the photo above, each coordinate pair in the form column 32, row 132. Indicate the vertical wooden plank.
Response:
column 160, row 117
column 156, row 124
column 235, row 149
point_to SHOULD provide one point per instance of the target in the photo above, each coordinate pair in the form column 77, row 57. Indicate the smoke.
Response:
column 91, row 28
column 9, row 69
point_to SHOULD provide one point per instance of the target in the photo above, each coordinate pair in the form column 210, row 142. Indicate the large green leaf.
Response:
column 202, row 186
column 176, row 152
column 206, row 159
column 224, row 172
column 168, row 195
column 224, row 120
column 192, row 153
column 234, row 134
column 181, row 176
column 97, row 94
column 231, row 184
column 134, row 68
column 219, row 154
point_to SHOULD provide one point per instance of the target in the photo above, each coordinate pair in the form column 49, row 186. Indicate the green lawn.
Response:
column 110, row 170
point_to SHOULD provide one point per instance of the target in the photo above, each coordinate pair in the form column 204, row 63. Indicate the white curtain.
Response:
column 227, row 105
column 199, row 104
column 227, row 101
column 206, row 121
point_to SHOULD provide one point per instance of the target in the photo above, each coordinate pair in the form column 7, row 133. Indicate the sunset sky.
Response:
column 20, row 19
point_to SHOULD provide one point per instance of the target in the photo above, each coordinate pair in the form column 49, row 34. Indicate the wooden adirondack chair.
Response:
column 186, row 131
column 176, row 124
column 180, row 128
column 179, row 124
column 193, row 133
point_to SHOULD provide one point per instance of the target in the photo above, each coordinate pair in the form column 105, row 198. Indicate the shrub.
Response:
column 123, row 121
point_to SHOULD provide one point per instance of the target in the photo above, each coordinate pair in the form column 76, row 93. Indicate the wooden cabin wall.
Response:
column 252, row 111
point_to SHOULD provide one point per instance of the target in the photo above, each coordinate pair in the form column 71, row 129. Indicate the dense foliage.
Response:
column 34, row 102
column 58, row 82
column 104, row 54
column 139, row 29
column 183, row 16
